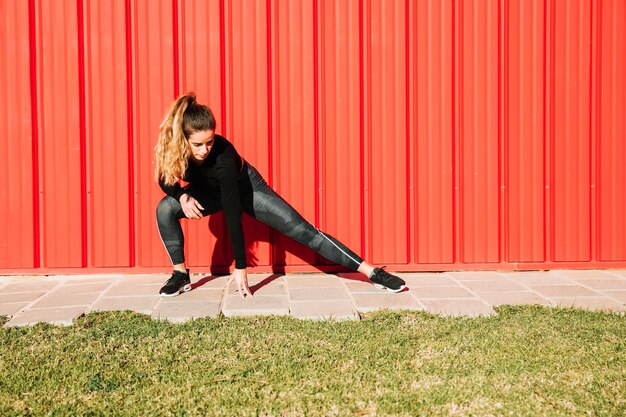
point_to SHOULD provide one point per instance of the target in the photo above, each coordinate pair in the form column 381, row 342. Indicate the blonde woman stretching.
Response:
column 219, row 179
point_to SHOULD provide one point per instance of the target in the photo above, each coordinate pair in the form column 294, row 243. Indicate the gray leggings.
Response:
column 262, row 203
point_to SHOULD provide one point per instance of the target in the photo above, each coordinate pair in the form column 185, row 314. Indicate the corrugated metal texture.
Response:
column 18, row 238
column 570, row 134
column 431, row 86
column 423, row 134
column 611, row 129
column 523, row 129
column 107, row 138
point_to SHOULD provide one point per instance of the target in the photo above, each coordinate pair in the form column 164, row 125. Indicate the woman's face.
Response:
column 200, row 144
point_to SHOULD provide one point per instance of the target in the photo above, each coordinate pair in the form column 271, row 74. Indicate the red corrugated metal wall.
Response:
column 424, row 134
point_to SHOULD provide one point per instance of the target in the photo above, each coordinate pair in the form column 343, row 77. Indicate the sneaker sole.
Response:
column 382, row 287
column 185, row 288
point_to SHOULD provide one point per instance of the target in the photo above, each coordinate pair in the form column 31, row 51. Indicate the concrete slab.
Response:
column 360, row 286
column 603, row 283
column 143, row 305
column 210, row 295
column 318, row 294
column 441, row 292
column 583, row 273
column 512, row 298
column 428, row 280
column 494, row 285
column 588, row 303
column 618, row 295
column 306, row 281
column 563, row 290
column 57, row 315
column 458, row 307
column 18, row 297
column 235, row 305
column 125, row 290
column 273, row 288
column 543, row 278
column 475, row 275
column 181, row 311
column 69, row 288
column 62, row 300
column 209, row 282
column 30, row 286
column 366, row 302
column 10, row 309
column 142, row 279
column 323, row 310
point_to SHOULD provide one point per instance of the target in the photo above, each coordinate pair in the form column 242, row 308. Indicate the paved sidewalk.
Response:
column 61, row 299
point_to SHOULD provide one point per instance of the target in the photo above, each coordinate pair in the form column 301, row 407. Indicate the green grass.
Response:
column 522, row 361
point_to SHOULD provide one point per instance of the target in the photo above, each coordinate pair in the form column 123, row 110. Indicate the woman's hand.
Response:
column 241, row 279
column 191, row 207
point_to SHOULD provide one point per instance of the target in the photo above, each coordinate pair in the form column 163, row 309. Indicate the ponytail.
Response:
column 172, row 151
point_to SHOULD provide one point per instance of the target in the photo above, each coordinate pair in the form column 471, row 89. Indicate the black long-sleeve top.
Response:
column 220, row 169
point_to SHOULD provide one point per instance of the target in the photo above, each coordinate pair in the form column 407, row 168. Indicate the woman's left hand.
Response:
column 241, row 279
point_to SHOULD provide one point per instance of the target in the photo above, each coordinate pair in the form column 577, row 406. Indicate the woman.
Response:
column 219, row 179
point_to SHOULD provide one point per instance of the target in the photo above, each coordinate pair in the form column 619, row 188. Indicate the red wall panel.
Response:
column 18, row 240
column 428, row 135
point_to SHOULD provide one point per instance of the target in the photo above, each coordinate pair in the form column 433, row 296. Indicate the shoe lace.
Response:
column 382, row 274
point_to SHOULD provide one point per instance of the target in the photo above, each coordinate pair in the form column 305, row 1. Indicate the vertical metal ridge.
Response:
column 502, row 232
column 316, row 133
column 223, row 65
column 270, row 111
column 175, row 48
column 82, row 132
column 32, row 40
column 407, row 99
column 364, row 237
column 455, row 209
column 592, row 138
column 130, row 132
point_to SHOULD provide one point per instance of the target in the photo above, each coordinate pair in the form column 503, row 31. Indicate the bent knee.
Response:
column 167, row 207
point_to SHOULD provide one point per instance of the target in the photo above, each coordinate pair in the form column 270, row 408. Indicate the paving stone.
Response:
column 540, row 279
column 9, row 309
column 370, row 302
column 441, row 292
column 93, row 280
column 512, row 298
column 139, row 304
column 119, row 290
column 458, row 307
column 235, row 305
column 620, row 273
column 63, row 300
column 475, row 275
column 17, row 297
column 583, row 273
column 361, row 286
column 273, row 288
column 209, row 282
column 181, row 311
column 68, row 289
column 317, row 294
column 603, row 284
column 318, row 281
column 42, row 286
column 323, row 310
column 57, row 315
column 588, row 303
column 428, row 280
column 619, row 295
column 212, row 295
column 562, row 290
column 496, row 285
column 143, row 279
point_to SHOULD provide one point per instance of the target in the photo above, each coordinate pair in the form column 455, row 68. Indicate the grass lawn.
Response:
column 521, row 361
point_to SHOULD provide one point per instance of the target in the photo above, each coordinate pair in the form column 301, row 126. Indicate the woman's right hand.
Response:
column 191, row 207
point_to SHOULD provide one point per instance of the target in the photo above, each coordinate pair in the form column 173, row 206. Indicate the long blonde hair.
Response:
column 172, row 153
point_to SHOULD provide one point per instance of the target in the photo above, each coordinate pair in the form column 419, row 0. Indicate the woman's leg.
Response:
column 168, row 213
column 267, row 206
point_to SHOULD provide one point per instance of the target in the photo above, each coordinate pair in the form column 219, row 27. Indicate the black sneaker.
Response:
column 383, row 279
column 179, row 282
